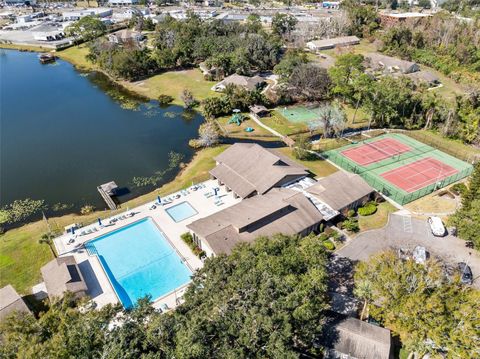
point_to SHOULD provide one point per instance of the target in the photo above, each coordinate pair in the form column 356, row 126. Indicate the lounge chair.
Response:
column 152, row 207
column 71, row 240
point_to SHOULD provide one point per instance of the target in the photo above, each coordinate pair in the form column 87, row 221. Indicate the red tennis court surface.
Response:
column 375, row 151
column 419, row 174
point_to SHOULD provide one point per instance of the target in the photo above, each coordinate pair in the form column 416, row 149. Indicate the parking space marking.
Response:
column 407, row 224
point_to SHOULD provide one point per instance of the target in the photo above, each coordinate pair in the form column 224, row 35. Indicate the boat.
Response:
column 46, row 58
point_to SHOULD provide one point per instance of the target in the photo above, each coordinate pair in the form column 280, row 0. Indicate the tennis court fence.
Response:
column 388, row 189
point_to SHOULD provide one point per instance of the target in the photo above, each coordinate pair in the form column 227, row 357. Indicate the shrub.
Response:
column 323, row 237
column 165, row 100
column 367, row 210
column 351, row 225
column 351, row 213
column 459, row 189
column 87, row 209
column 187, row 238
column 322, row 227
column 329, row 245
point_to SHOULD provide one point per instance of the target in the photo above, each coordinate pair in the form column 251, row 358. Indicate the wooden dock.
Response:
column 106, row 190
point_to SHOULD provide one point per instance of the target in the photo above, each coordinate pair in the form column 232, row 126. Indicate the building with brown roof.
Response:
column 346, row 337
column 325, row 44
column 246, row 82
column 280, row 210
column 63, row 275
column 342, row 191
column 248, row 169
column 11, row 302
column 393, row 19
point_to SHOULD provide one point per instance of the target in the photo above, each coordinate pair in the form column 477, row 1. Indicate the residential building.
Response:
column 342, row 191
column 125, row 36
column 11, row 302
column 259, row 110
column 246, row 82
column 346, row 337
column 248, row 169
column 325, row 44
column 379, row 62
column 280, row 210
column 63, row 275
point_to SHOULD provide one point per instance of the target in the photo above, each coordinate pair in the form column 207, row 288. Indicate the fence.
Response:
column 443, row 146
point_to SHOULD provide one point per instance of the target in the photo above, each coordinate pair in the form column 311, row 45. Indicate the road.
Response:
column 407, row 232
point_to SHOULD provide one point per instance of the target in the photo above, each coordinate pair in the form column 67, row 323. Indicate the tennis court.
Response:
column 419, row 174
column 299, row 114
column 399, row 166
column 375, row 151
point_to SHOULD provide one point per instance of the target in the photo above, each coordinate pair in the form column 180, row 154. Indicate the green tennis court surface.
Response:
column 400, row 167
column 298, row 114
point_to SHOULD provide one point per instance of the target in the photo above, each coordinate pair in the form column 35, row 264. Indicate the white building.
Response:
column 122, row 2
column 78, row 14
column 48, row 33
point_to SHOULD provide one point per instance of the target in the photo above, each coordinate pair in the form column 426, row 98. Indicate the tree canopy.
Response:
column 430, row 313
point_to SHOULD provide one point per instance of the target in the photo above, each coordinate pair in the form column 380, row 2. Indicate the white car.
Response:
column 436, row 225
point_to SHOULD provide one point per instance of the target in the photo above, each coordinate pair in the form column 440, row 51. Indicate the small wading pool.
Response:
column 138, row 260
column 181, row 211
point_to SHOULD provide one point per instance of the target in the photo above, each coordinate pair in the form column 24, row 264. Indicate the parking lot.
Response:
column 403, row 231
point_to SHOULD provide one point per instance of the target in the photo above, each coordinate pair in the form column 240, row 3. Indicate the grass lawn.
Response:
column 76, row 55
column 448, row 145
column 361, row 118
column 172, row 83
column 432, row 203
column 325, row 144
column 234, row 131
column 24, row 47
column 377, row 220
column 282, row 125
column 320, row 168
column 21, row 256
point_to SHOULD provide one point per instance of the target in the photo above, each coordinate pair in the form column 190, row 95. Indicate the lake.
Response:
column 63, row 133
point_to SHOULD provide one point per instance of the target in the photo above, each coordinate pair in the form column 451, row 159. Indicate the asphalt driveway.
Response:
column 403, row 231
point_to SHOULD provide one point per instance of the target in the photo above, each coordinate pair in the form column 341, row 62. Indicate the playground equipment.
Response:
column 249, row 129
column 236, row 118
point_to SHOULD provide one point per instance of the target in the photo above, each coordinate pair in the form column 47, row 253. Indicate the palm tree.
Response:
column 363, row 290
column 47, row 239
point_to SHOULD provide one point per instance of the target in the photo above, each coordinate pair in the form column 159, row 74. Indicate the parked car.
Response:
column 466, row 276
column 420, row 255
column 436, row 226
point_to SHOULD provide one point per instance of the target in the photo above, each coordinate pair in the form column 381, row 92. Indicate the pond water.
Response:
column 63, row 133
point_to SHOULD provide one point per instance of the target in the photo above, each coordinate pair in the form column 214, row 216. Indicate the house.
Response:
column 125, row 36
column 246, row 82
column 325, row 44
column 281, row 210
column 424, row 77
column 346, row 337
column 379, row 62
column 63, row 275
column 259, row 110
column 11, row 302
column 342, row 191
column 248, row 169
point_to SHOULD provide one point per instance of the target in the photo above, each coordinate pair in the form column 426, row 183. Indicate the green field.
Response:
column 319, row 167
column 232, row 130
column 21, row 256
column 280, row 124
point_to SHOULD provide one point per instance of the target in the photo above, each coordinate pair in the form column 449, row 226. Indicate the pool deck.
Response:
column 100, row 289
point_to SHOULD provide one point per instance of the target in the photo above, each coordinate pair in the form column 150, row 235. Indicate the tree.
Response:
column 426, row 4
column 254, row 24
column 309, row 82
column 283, row 24
column 331, row 119
column 428, row 312
column 87, row 28
column 188, row 99
column 347, row 68
column 48, row 239
column 291, row 59
column 363, row 18
column 302, row 148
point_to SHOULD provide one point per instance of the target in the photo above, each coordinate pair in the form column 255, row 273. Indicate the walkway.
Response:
column 289, row 141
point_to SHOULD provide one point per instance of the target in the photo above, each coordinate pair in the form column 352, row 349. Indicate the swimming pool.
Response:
column 139, row 261
column 181, row 211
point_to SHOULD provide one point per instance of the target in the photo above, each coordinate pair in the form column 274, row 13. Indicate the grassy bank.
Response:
column 377, row 220
column 21, row 256
column 320, row 168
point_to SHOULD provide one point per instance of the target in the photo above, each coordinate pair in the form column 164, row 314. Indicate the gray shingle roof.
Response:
column 341, row 189
column 246, row 168
column 10, row 301
column 379, row 61
column 357, row 339
column 279, row 211
column 62, row 274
